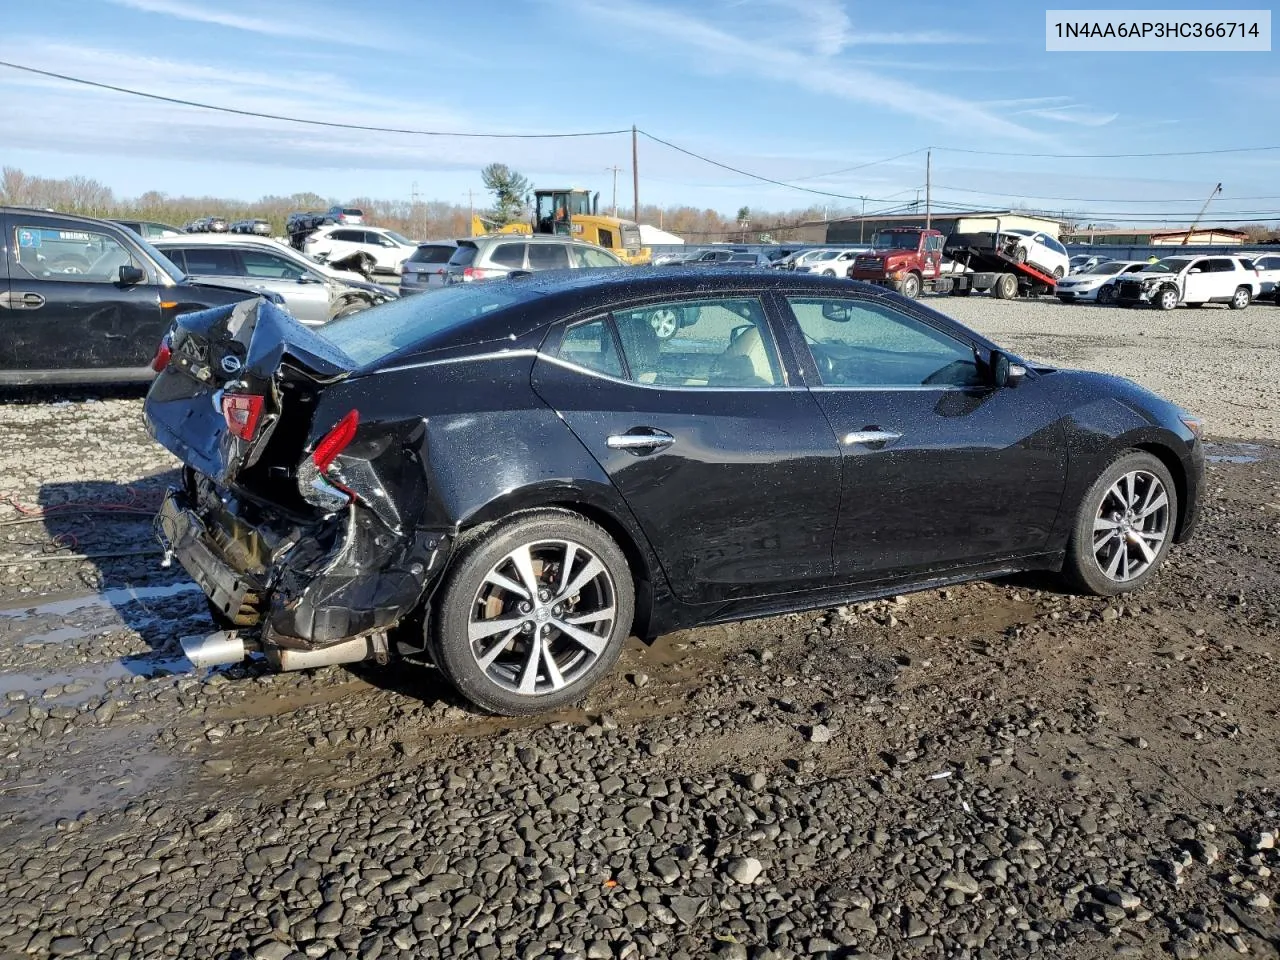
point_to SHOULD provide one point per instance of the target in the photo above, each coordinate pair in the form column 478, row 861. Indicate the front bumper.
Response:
column 304, row 586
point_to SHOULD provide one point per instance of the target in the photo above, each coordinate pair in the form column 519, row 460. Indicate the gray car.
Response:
column 426, row 266
column 313, row 293
column 493, row 257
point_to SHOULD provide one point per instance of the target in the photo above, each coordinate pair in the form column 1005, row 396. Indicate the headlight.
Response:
column 1193, row 423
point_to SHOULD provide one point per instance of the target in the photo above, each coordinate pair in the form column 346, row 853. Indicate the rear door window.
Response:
column 548, row 256
column 508, row 255
column 591, row 345
column 213, row 262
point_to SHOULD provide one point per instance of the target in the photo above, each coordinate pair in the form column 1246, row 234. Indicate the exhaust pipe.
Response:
column 348, row 651
column 216, row 649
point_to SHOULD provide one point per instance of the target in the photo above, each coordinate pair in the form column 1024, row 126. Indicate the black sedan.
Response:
column 512, row 477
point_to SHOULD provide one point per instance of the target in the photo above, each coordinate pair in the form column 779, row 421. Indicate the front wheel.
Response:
column 1124, row 526
column 1058, row 273
column 534, row 613
column 910, row 286
column 1241, row 298
column 1167, row 298
column 1107, row 296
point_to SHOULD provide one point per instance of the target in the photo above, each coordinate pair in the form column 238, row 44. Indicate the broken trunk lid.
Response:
column 220, row 398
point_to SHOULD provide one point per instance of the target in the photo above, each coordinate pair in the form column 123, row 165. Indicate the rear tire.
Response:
column 1124, row 526
column 530, row 664
column 1242, row 298
column 1005, row 287
column 350, row 308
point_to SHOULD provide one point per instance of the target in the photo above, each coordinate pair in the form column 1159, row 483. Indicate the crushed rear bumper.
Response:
column 303, row 586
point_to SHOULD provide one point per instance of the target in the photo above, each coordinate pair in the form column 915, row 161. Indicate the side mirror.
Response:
column 1003, row 372
column 1194, row 270
column 837, row 312
column 131, row 275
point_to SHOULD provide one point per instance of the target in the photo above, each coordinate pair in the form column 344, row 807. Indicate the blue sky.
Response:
column 790, row 89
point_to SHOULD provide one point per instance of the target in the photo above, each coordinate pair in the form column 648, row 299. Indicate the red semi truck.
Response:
column 910, row 260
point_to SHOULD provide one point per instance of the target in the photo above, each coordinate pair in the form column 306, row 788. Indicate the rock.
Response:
column 564, row 803
column 756, row 782
column 960, row 882
column 667, row 869
column 66, row 946
column 272, row 950
column 731, row 950
column 1125, row 899
column 1266, row 841
column 640, row 679
column 745, row 870
column 685, row 908
column 819, row 733
column 599, row 950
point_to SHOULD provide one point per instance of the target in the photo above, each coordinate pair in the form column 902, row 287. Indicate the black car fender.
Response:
column 1100, row 429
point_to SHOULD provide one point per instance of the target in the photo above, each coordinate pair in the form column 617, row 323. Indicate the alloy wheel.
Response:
column 542, row 617
column 1131, row 525
column 665, row 323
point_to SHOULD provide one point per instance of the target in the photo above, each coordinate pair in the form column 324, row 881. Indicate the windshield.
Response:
column 1166, row 266
column 1109, row 268
column 824, row 255
column 164, row 263
column 399, row 239
column 895, row 241
column 370, row 335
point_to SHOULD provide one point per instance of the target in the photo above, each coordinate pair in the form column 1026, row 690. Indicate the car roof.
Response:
column 438, row 243
column 531, row 238
column 244, row 239
column 552, row 295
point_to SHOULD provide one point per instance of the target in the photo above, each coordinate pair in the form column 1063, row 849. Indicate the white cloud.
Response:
column 297, row 23
column 770, row 57
column 1075, row 115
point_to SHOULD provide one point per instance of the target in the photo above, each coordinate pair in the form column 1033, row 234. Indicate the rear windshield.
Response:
column 352, row 212
column 464, row 256
column 370, row 335
column 432, row 254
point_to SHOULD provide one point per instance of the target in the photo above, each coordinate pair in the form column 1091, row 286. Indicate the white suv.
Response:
column 1194, row 281
column 386, row 250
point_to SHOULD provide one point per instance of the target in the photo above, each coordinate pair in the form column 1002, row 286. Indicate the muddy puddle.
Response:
column 1237, row 452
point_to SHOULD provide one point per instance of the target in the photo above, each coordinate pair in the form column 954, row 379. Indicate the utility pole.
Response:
column 413, row 208
column 471, row 212
column 635, row 172
column 928, row 189
column 1187, row 236
column 862, row 223
column 615, row 170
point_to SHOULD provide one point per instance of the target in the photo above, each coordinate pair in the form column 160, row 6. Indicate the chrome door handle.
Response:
column 21, row 301
column 640, row 442
column 870, row 435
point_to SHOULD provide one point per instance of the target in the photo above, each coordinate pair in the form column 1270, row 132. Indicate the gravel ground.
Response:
column 1221, row 363
column 996, row 770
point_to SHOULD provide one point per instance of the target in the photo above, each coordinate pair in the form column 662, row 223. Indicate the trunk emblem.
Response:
column 230, row 364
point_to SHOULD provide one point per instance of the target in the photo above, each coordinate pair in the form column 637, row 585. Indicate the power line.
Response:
column 1108, row 156
column 757, row 176
column 314, row 123
column 860, row 166
column 1032, row 196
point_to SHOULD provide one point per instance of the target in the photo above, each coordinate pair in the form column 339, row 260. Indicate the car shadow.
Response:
column 110, row 524
column 24, row 396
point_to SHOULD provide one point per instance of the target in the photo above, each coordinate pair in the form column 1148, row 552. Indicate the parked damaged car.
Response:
column 511, row 478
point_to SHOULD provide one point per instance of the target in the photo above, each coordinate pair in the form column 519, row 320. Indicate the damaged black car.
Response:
column 511, row 478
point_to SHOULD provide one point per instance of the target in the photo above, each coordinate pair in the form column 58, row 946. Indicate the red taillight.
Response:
column 241, row 411
column 335, row 441
column 164, row 353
